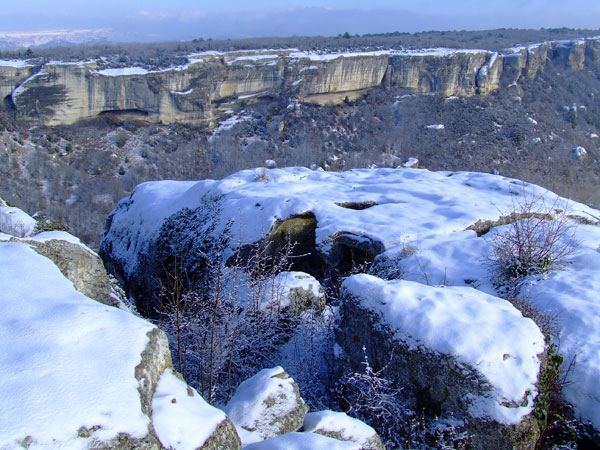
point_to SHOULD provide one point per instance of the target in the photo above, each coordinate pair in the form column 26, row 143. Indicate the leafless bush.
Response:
column 219, row 328
column 539, row 240
column 14, row 228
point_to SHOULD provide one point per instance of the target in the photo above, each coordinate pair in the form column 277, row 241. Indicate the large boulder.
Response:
column 456, row 352
column 266, row 405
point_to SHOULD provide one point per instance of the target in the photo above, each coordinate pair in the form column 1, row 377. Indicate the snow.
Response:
column 16, row 63
column 248, row 408
column 229, row 123
column 21, row 88
column 427, row 211
column 437, row 127
column 277, row 290
column 123, row 71
column 313, row 56
column 67, row 361
column 580, row 152
column 348, row 428
column 180, row 416
column 572, row 297
column 16, row 222
column 484, row 332
column 252, row 58
column 593, row 136
column 532, row 120
column 188, row 92
column 412, row 162
column 302, row 441
column 447, row 202
column 297, row 82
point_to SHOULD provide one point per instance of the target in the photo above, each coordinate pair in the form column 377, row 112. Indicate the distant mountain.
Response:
column 51, row 38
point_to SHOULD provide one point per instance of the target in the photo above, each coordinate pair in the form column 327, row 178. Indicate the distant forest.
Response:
column 166, row 54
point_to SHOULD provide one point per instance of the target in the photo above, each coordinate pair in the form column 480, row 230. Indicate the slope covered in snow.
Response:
column 55, row 378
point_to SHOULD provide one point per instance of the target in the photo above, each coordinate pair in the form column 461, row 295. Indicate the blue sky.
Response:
column 185, row 19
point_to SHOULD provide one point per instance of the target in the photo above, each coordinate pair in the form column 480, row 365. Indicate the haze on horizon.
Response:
column 159, row 20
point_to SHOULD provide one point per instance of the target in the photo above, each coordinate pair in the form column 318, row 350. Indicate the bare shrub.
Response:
column 14, row 228
column 541, row 239
column 220, row 329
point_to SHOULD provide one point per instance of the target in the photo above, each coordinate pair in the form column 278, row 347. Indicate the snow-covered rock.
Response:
column 411, row 163
column 365, row 214
column 76, row 373
column 340, row 426
column 456, row 351
column 580, row 152
column 294, row 291
column 183, row 420
column 266, row 405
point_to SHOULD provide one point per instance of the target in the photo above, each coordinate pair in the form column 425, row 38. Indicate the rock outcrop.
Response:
column 212, row 83
column 81, row 266
column 451, row 351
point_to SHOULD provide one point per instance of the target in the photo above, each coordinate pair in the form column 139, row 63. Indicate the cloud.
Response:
column 153, row 15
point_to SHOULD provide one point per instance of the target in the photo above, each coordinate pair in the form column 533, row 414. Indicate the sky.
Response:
column 150, row 20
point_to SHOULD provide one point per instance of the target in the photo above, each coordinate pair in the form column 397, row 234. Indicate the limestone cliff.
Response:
column 212, row 82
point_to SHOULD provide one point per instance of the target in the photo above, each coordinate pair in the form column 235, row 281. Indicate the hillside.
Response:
column 535, row 105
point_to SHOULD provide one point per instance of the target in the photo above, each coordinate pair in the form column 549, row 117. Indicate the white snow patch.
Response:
column 17, row 63
column 347, row 427
column 123, row 71
column 252, row 58
column 188, row 92
column 229, row 123
column 67, row 361
column 572, row 297
column 308, row 68
column 412, row 162
column 181, row 417
column 437, row 127
column 484, row 332
column 303, row 441
column 593, row 136
column 22, row 88
column 580, row 152
column 297, row 82
column 532, row 120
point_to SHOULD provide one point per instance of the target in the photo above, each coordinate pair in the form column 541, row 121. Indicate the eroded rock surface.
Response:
column 204, row 89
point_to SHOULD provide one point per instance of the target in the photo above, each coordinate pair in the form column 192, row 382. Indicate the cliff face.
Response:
column 212, row 83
